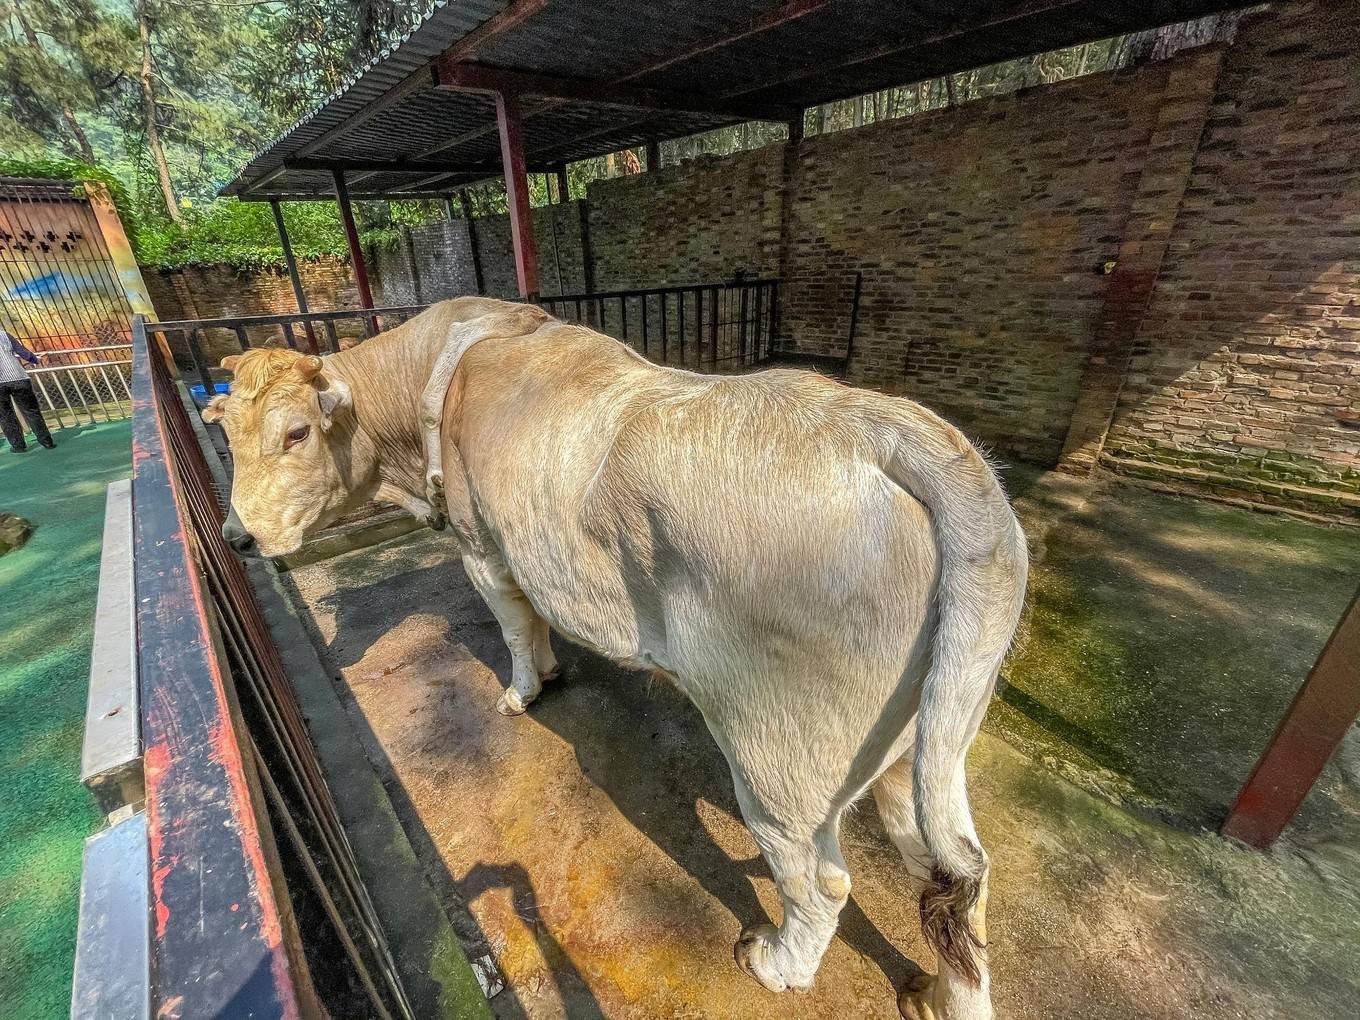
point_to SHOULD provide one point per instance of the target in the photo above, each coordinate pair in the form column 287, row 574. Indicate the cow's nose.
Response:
column 236, row 535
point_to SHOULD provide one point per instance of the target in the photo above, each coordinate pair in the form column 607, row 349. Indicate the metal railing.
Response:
column 87, row 392
column 717, row 327
column 258, row 904
column 202, row 341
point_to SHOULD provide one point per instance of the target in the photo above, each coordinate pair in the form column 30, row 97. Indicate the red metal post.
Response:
column 517, row 193
column 356, row 251
column 1323, row 711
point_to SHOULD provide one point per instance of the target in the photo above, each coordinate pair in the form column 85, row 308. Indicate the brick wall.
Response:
column 1224, row 185
column 703, row 221
column 979, row 231
column 1246, row 370
column 558, row 225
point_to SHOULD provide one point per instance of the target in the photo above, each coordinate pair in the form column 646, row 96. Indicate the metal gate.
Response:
column 61, row 295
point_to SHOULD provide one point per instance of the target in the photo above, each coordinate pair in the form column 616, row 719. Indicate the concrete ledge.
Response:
column 113, row 939
column 348, row 537
column 1322, row 505
column 111, row 758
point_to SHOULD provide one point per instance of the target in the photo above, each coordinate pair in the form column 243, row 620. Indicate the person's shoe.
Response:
column 18, row 449
column 49, row 445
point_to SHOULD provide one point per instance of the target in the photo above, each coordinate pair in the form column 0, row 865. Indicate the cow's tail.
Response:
column 982, row 564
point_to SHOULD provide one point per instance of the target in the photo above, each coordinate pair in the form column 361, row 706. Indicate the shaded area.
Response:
column 1163, row 640
column 596, row 845
column 47, row 598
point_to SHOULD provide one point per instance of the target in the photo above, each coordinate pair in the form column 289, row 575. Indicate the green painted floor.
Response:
column 47, row 597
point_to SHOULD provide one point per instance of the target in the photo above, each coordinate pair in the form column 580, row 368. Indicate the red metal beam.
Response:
column 517, row 13
column 464, row 77
column 1321, row 715
column 356, row 250
column 299, row 294
column 782, row 15
column 511, row 125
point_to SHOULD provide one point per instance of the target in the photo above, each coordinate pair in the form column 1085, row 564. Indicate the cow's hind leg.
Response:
column 953, row 922
column 804, row 855
column 525, row 632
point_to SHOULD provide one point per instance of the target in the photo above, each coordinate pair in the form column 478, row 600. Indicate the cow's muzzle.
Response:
column 236, row 535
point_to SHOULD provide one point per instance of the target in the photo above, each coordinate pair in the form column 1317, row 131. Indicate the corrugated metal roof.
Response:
column 794, row 53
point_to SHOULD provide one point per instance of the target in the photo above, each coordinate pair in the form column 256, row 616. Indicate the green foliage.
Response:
column 242, row 235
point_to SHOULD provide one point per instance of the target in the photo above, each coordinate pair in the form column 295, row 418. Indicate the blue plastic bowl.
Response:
column 200, row 395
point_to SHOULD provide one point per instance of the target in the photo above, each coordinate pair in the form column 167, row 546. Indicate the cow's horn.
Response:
column 307, row 368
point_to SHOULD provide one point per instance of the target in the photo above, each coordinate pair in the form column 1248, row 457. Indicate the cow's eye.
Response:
column 296, row 436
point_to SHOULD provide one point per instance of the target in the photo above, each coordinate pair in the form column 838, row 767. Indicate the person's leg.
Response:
column 27, row 402
column 14, row 432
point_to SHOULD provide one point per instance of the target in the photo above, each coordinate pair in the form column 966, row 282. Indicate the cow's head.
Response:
column 285, row 418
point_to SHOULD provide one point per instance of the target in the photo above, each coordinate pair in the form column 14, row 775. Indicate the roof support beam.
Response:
column 369, row 167
column 1323, row 712
column 511, row 125
column 462, row 77
column 783, row 15
column 356, row 250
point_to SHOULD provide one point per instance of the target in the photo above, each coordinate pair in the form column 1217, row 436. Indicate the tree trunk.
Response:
column 153, row 134
column 69, row 115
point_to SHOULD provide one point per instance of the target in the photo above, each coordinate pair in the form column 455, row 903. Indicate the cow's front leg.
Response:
column 521, row 627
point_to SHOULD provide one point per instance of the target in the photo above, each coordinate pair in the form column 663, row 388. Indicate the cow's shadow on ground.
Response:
column 638, row 740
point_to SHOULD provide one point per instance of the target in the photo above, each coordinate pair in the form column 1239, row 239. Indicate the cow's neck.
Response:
column 386, row 376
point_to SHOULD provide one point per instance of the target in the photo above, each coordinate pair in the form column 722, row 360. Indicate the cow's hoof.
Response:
column 511, row 703
column 915, row 1000
column 755, row 954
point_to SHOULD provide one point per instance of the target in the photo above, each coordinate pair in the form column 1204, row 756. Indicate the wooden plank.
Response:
column 1322, row 713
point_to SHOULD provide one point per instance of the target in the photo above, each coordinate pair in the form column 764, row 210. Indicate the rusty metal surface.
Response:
column 240, row 920
column 217, row 938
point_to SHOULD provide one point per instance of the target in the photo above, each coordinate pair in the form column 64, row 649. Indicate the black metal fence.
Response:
column 715, row 327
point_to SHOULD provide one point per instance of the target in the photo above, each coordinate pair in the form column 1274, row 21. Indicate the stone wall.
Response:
column 1154, row 270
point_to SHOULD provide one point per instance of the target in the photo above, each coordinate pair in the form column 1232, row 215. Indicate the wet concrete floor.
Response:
column 595, row 847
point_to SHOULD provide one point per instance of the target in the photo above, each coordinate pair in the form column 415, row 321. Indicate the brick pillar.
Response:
column 1190, row 88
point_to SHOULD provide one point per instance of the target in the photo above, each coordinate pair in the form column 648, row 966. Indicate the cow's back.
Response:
column 660, row 515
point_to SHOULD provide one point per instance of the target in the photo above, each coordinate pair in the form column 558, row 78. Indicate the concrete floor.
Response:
column 596, row 847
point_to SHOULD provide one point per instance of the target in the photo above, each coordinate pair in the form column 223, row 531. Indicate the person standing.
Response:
column 16, row 391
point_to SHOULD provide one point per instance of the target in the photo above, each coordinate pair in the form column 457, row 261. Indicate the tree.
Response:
column 146, row 77
column 46, row 78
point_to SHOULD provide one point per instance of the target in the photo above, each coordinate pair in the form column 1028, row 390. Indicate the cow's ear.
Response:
column 230, row 362
column 215, row 409
column 333, row 396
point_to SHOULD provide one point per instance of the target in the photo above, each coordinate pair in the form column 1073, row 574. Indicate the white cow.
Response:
column 831, row 575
